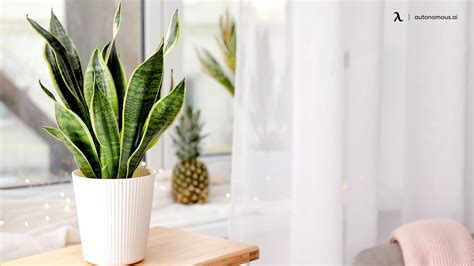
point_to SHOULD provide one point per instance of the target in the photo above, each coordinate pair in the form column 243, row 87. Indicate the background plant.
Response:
column 107, row 123
column 227, row 44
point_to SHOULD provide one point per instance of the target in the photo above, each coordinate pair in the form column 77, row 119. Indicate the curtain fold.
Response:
column 349, row 124
column 316, row 68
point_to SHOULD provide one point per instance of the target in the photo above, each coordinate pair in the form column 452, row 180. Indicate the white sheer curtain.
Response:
column 348, row 124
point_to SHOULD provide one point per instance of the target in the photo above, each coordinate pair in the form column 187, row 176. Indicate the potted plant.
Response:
column 108, row 124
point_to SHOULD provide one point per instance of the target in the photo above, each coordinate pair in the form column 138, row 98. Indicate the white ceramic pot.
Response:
column 114, row 216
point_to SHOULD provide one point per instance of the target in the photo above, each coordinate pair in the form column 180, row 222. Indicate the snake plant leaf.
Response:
column 215, row 70
column 116, row 27
column 155, row 140
column 118, row 74
column 117, row 19
column 47, row 92
column 161, row 116
column 171, row 80
column 143, row 89
column 106, row 129
column 66, row 70
column 172, row 36
column 66, row 95
column 120, row 80
column 62, row 35
column 98, row 73
column 104, row 50
column 76, row 131
column 105, row 174
column 80, row 158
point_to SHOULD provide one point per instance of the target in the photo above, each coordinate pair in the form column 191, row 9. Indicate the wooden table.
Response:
column 166, row 246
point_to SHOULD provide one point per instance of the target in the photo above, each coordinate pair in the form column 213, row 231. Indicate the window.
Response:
column 200, row 28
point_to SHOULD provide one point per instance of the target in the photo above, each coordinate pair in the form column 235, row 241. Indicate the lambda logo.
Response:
column 397, row 17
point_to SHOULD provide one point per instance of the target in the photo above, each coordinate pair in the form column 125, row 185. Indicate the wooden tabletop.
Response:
column 166, row 246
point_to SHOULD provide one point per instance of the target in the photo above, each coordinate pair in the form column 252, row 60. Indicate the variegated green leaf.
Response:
column 155, row 140
column 105, row 174
column 65, row 67
column 117, row 19
column 172, row 36
column 143, row 88
column 75, row 130
column 118, row 74
column 104, row 50
column 171, row 80
column 116, row 27
column 80, row 158
column 62, row 35
column 215, row 70
column 107, row 133
column 46, row 91
column 66, row 94
column 161, row 116
column 98, row 70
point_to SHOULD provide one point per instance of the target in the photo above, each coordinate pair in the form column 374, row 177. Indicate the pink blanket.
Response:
column 435, row 242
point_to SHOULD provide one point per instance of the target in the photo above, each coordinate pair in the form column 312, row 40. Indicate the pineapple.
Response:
column 190, row 176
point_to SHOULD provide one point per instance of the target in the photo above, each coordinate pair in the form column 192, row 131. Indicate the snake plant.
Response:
column 106, row 122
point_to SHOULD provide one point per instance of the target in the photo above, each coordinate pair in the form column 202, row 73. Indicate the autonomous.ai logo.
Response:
column 397, row 17
column 424, row 17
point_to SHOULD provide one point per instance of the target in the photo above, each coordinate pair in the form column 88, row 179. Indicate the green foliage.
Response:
column 227, row 44
column 188, row 135
column 106, row 123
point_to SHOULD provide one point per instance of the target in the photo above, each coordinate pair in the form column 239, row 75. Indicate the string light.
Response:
column 67, row 208
column 227, row 195
column 2, row 223
column 255, row 198
column 47, row 218
column 162, row 188
column 68, row 200
column 156, row 184
column 143, row 164
column 27, row 181
column 161, row 171
column 61, row 194
column 46, row 206
column 26, row 224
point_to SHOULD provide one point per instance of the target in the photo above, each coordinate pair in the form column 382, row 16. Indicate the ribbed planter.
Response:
column 114, row 216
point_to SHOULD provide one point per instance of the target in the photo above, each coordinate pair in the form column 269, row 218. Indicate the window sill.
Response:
column 39, row 210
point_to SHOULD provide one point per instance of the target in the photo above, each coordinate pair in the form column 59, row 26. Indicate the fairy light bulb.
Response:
column 227, row 195
column 61, row 194
column 46, row 206
column 26, row 224
column 47, row 218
